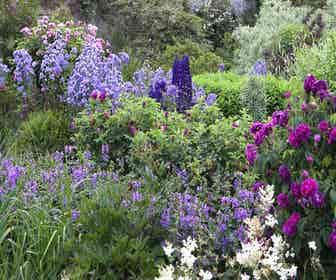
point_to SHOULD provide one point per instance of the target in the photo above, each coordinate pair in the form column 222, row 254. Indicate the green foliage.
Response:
column 273, row 16
column 253, row 98
column 319, row 60
column 116, row 242
column 201, row 58
column 147, row 25
column 229, row 86
column 42, row 132
column 15, row 15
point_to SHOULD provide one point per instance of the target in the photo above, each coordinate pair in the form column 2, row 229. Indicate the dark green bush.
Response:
column 42, row 132
column 229, row 86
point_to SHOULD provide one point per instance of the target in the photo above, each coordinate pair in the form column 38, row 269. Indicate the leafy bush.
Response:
column 273, row 16
column 42, row 132
column 229, row 86
column 318, row 60
column 295, row 152
column 118, row 237
column 201, row 58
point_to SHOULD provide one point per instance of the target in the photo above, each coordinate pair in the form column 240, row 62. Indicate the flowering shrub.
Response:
column 295, row 151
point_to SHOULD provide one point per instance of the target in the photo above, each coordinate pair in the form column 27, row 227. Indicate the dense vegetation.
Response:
column 183, row 139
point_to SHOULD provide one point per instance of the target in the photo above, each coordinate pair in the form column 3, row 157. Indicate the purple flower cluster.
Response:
column 300, row 135
column 24, row 72
column 93, row 71
column 316, row 87
column 251, row 153
column 55, row 61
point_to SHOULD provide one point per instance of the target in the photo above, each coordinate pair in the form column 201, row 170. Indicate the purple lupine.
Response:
column 284, row 173
column 251, row 153
column 182, row 80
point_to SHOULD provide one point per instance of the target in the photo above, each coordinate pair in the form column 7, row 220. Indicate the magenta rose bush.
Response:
column 296, row 151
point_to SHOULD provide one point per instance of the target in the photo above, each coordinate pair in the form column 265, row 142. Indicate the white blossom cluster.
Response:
column 265, row 257
column 184, row 269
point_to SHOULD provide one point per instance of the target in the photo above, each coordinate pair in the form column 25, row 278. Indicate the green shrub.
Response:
column 319, row 60
column 42, row 132
column 201, row 58
column 229, row 86
column 116, row 241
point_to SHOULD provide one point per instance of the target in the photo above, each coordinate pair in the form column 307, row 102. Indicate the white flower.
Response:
column 250, row 254
column 266, row 197
column 206, row 275
column 188, row 258
column 312, row 245
column 166, row 273
column 190, row 244
column 270, row 221
column 245, row 277
column 184, row 278
column 168, row 249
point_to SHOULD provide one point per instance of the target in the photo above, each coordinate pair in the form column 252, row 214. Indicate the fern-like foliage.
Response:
column 253, row 98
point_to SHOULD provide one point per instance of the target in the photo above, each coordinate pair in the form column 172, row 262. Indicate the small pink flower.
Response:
column 310, row 159
column 287, row 94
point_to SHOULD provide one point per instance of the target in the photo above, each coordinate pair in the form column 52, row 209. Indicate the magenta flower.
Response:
column 295, row 190
column 317, row 138
column 251, row 153
column 310, row 159
column 290, row 226
column 318, row 199
column 287, row 94
column 94, row 95
column 332, row 241
column 102, row 96
column 332, row 136
column 308, row 83
column 323, row 126
column 309, row 187
column 319, row 85
column 283, row 200
column 284, row 173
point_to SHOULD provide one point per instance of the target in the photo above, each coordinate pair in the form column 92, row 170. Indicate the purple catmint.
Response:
column 165, row 218
column 75, row 214
column 221, row 67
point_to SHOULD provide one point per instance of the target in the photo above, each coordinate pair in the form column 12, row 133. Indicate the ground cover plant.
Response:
column 165, row 161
